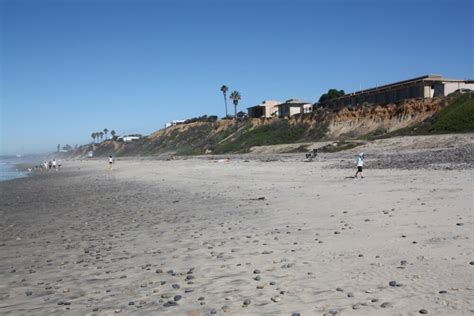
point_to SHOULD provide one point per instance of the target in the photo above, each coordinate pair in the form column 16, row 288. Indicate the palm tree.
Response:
column 235, row 97
column 101, row 134
column 112, row 132
column 224, row 90
column 93, row 136
column 105, row 132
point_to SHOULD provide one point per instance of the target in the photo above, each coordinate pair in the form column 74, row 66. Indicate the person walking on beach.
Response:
column 111, row 162
column 360, row 165
column 55, row 165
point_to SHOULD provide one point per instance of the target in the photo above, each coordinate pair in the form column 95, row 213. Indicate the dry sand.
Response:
column 88, row 240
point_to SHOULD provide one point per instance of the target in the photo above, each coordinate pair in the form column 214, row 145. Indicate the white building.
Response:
column 129, row 138
column 308, row 108
column 173, row 123
column 267, row 108
column 293, row 107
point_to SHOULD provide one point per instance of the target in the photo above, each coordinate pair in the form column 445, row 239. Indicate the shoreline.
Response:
column 17, row 174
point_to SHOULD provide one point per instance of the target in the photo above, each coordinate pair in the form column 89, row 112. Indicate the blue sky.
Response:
column 69, row 68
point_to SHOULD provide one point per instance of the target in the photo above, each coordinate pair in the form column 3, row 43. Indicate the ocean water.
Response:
column 8, row 170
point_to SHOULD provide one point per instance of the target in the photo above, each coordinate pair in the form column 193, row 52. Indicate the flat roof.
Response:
column 429, row 78
column 266, row 103
column 256, row 106
column 293, row 104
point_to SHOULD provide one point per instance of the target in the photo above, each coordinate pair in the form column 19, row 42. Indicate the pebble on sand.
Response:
column 225, row 308
column 423, row 311
column 170, row 303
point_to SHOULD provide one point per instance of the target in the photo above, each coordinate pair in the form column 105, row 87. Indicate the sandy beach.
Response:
column 247, row 236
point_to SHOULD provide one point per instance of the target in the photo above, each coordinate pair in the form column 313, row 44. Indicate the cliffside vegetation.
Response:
column 456, row 117
column 411, row 117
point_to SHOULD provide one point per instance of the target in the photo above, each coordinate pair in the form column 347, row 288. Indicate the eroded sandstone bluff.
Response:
column 386, row 118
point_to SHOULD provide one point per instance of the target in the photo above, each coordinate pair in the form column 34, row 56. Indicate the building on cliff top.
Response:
column 428, row 86
column 293, row 107
column 267, row 108
column 129, row 138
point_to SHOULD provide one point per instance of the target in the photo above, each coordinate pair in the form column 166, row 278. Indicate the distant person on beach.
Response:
column 55, row 164
column 311, row 155
column 360, row 165
column 59, row 164
column 111, row 162
column 50, row 164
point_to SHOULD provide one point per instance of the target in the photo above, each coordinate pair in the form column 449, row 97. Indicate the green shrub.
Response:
column 278, row 132
column 457, row 117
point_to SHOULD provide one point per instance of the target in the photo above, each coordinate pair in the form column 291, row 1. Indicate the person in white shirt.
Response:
column 111, row 162
column 360, row 164
column 55, row 165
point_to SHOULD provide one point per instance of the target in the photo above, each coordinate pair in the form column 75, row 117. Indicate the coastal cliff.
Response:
column 414, row 116
column 386, row 118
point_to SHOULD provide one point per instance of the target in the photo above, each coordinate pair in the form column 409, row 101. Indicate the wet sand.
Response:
column 244, row 237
